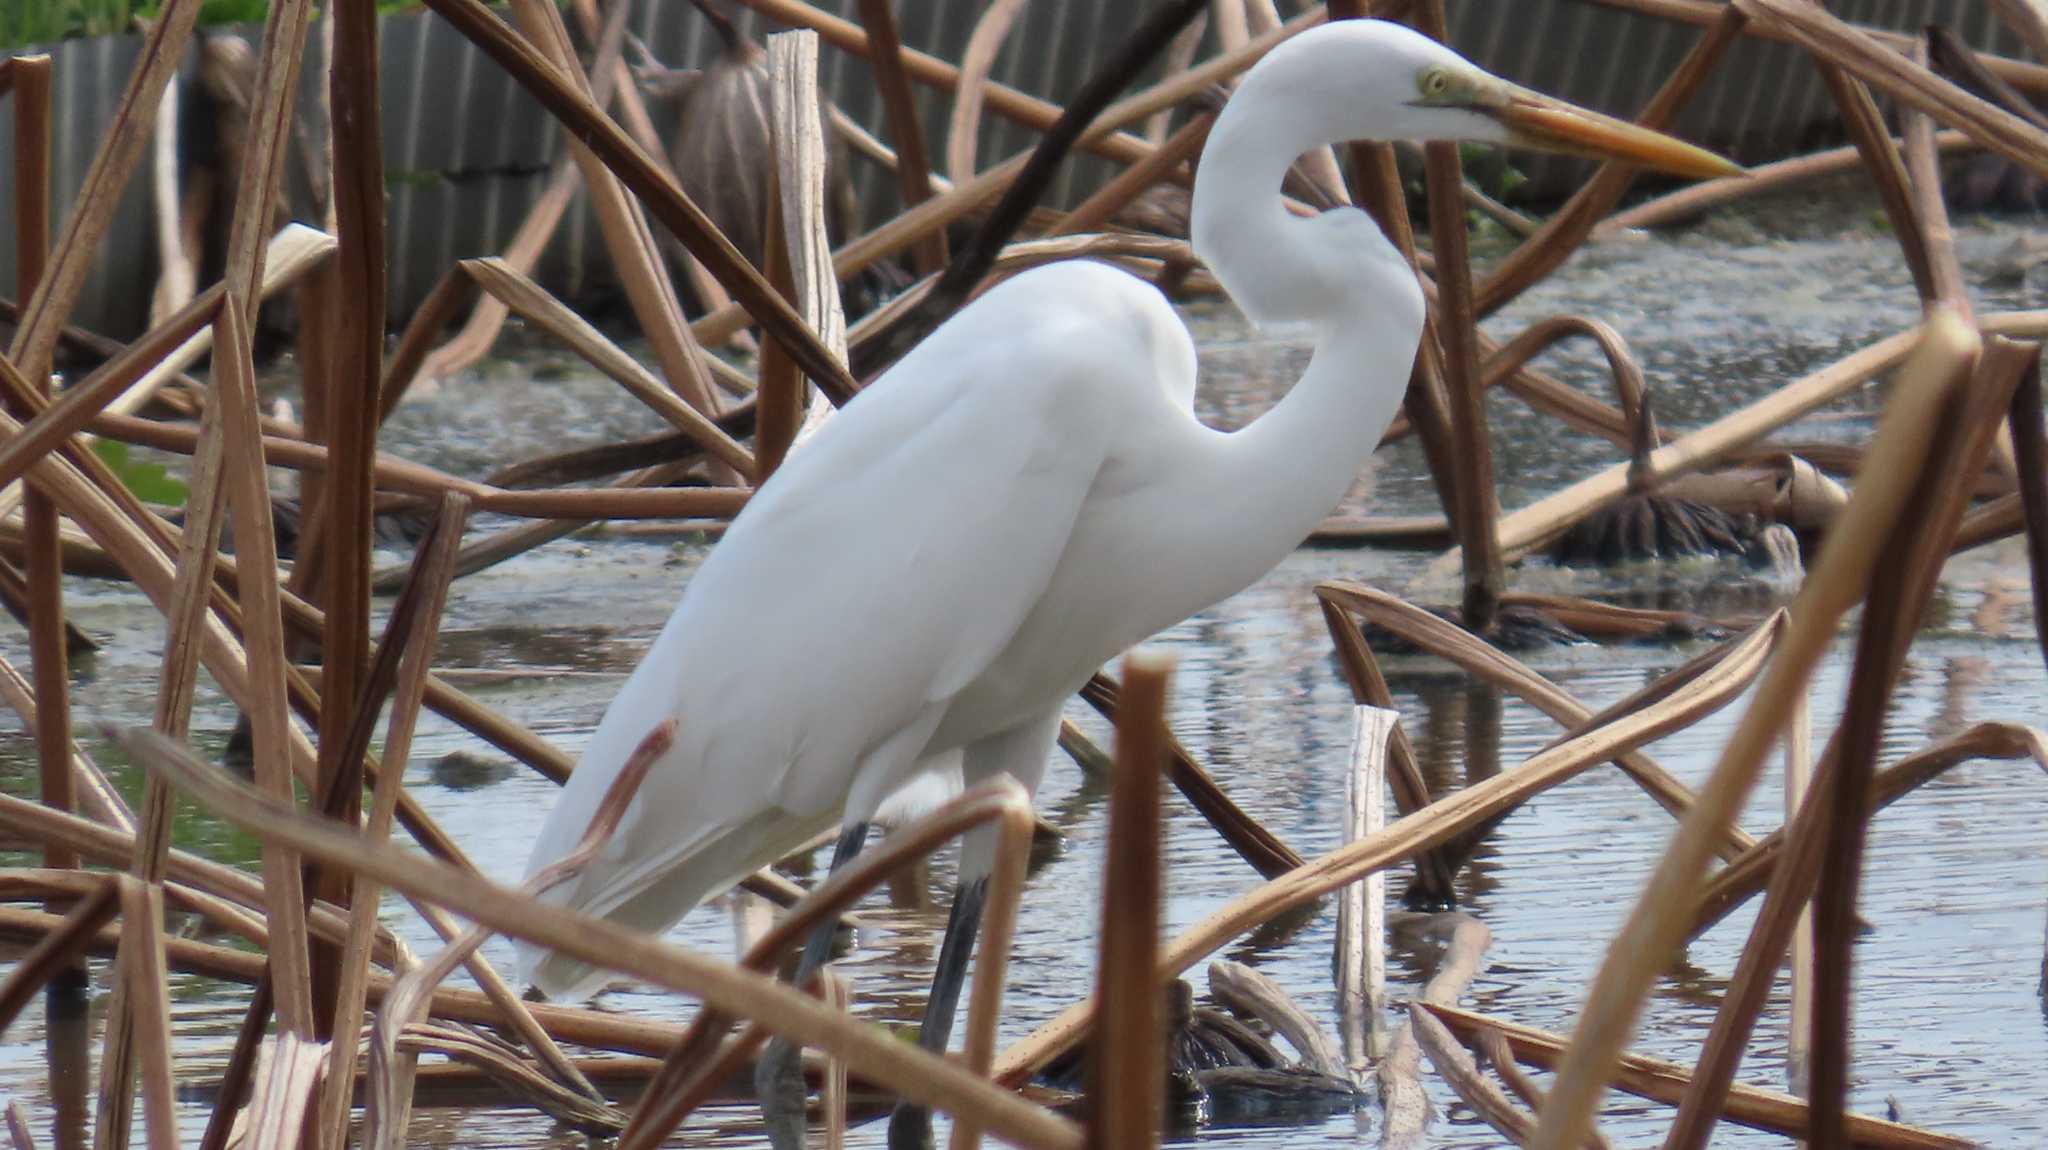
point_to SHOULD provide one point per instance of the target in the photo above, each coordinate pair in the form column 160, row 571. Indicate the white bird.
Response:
column 1023, row 496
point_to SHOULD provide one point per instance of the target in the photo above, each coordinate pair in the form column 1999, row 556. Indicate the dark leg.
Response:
column 779, row 1075
column 910, row 1127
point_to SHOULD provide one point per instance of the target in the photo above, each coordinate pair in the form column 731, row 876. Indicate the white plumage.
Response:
column 1022, row 497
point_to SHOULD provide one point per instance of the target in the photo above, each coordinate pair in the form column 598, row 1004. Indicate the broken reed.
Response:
column 232, row 615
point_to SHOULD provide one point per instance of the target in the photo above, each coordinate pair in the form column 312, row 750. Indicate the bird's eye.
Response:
column 1435, row 84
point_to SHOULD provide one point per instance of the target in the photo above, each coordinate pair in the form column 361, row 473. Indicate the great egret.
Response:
column 1023, row 496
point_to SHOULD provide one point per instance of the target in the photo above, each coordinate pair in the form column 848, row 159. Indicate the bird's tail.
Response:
column 653, row 898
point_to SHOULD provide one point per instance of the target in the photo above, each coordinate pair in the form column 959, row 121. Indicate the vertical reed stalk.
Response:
column 65, row 999
column 1866, row 128
column 1641, row 950
column 780, row 393
column 51, row 668
column 434, row 572
column 913, row 166
column 1362, row 907
column 2030, row 453
column 837, row 991
column 141, row 966
column 263, row 636
column 1478, row 502
column 1911, row 567
column 1376, row 186
column 1799, row 1017
column 1127, row 1066
column 1369, row 687
column 1898, row 601
column 44, row 313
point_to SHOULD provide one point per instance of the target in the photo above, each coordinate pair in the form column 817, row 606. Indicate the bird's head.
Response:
column 1382, row 81
column 1369, row 80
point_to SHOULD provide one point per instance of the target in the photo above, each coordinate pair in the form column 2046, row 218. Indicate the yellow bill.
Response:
column 1537, row 121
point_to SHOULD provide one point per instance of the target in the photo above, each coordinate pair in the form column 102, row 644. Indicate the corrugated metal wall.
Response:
column 468, row 152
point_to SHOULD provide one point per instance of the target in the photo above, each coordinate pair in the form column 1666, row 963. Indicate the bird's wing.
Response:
column 882, row 569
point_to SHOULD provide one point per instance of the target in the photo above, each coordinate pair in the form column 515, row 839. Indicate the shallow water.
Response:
column 1949, row 1023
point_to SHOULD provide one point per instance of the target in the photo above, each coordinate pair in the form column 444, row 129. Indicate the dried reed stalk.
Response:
column 292, row 253
column 97, row 796
column 623, row 223
column 1434, row 870
column 49, row 649
column 1482, row 659
column 1943, row 353
column 1127, row 1064
column 1248, row 993
column 434, row 570
column 1105, row 202
column 1407, row 836
column 1799, row 1011
column 1478, row 503
column 2027, row 422
column 70, row 412
column 287, row 1073
column 799, row 238
column 390, row 1087
column 914, row 1073
column 190, row 875
column 1492, row 1047
column 1637, row 429
column 1530, row 527
column 1747, row 875
column 1950, row 54
column 529, row 300
column 1252, row 840
column 990, row 31
column 43, row 316
column 353, row 391
column 941, row 210
column 647, row 179
column 2028, row 21
column 17, row 1127
column 1361, row 957
column 1885, row 167
column 398, row 476
column 1145, row 42
column 263, row 634
column 1488, row 1101
column 480, row 331
column 176, row 682
column 1899, row 591
column 913, row 167
column 1701, row 13
column 1005, row 101
column 1697, row 199
column 140, row 966
column 59, row 950
column 1858, row 53
column 685, row 1080
column 1568, row 227
column 1666, row 1081
column 779, row 387
column 1402, row 1097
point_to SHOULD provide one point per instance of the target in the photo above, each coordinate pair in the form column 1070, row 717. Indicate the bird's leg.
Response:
column 910, row 1126
column 779, row 1075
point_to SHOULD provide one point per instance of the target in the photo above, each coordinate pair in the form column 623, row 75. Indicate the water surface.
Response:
column 1949, row 1025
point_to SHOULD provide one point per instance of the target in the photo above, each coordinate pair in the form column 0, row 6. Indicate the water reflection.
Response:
column 1948, row 1006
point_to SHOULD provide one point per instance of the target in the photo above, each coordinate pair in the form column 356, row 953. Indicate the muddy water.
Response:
column 1949, row 1025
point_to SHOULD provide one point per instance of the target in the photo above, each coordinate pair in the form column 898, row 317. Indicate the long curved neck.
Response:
column 1341, row 279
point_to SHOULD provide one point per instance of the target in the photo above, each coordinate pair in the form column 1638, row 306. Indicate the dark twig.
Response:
column 974, row 261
